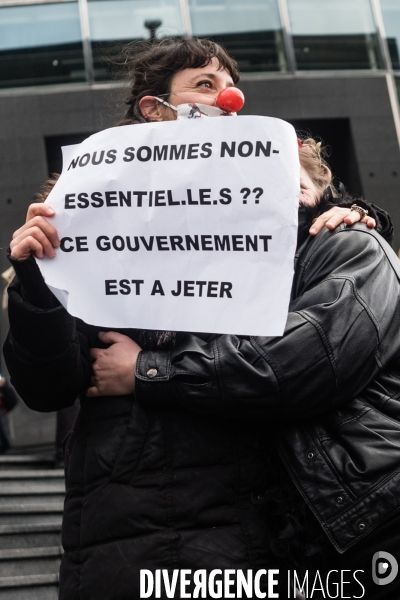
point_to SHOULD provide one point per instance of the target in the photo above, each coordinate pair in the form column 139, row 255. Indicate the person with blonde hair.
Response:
column 214, row 453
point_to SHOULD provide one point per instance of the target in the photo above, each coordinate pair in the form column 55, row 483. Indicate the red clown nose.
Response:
column 230, row 99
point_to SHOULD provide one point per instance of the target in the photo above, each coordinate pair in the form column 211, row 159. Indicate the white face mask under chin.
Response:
column 192, row 110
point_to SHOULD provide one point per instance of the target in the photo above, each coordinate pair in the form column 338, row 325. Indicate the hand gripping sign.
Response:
column 183, row 226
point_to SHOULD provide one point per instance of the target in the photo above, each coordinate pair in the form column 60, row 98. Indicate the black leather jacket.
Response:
column 331, row 383
column 169, row 479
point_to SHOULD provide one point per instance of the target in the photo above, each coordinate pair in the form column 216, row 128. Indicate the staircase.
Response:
column 31, row 505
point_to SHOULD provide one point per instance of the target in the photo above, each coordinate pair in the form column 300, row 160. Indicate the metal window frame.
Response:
column 285, row 24
column 84, row 26
column 186, row 20
column 389, row 73
column 287, row 35
column 86, row 41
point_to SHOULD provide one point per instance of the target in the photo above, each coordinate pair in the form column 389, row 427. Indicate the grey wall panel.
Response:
column 25, row 121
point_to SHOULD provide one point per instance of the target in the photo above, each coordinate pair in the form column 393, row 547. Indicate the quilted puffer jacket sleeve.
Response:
column 47, row 357
column 342, row 328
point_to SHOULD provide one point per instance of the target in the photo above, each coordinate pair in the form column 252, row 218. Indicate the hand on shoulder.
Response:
column 336, row 216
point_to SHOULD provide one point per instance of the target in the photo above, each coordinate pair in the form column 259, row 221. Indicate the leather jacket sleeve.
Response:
column 342, row 328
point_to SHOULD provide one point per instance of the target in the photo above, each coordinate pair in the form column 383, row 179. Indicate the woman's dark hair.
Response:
column 151, row 66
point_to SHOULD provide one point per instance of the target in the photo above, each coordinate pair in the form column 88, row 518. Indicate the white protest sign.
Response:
column 182, row 225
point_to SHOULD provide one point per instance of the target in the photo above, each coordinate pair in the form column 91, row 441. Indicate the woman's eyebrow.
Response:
column 211, row 76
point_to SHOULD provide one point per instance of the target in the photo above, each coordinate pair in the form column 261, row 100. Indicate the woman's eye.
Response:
column 206, row 84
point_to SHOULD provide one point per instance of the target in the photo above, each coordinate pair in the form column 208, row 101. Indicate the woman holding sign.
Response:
column 200, row 464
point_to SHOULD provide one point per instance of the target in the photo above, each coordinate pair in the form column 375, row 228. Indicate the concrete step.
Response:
column 46, row 449
column 6, row 501
column 31, row 512
column 29, row 587
column 31, row 488
column 35, row 475
column 31, row 505
column 30, row 561
column 39, row 499
column 10, row 461
column 30, row 535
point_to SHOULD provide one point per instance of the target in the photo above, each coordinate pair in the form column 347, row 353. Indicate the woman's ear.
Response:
column 151, row 109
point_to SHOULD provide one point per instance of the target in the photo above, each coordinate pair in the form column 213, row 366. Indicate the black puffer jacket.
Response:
column 171, row 479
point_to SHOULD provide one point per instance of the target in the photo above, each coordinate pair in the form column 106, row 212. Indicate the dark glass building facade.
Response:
column 44, row 42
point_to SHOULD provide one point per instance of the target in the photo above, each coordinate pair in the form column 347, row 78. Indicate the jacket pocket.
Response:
column 363, row 446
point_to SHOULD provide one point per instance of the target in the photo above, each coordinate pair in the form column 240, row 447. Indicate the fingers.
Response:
column 112, row 337
column 35, row 239
column 92, row 392
column 95, row 353
column 319, row 223
column 40, row 223
column 37, row 236
column 369, row 221
column 26, row 247
column 94, row 389
column 330, row 219
column 353, row 217
column 337, row 215
column 335, row 221
column 39, row 209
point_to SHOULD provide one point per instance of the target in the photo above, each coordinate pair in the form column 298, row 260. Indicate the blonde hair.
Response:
column 311, row 154
column 46, row 187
